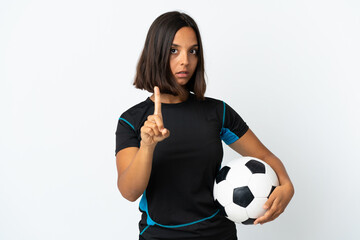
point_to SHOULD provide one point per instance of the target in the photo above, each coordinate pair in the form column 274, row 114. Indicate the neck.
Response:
column 169, row 98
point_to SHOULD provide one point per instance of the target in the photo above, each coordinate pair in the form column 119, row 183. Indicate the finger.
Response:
column 148, row 131
column 269, row 202
column 262, row 219
column 158, row 120
column 153, row 126
column 268, row 215
column 272, row 218
column 157, row 110
column 166, row 133
column 276, row 214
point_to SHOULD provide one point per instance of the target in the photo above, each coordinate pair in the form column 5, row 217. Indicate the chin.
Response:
column 182, row 82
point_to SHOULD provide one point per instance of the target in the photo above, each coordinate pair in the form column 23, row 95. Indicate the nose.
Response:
column 184, row 59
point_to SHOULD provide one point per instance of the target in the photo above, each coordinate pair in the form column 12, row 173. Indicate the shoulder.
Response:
column 213, row 100
column 137, row 107
column 136, row 113
column 211, row 107
column 219, row 103
column 213, row 103
column 210, row 101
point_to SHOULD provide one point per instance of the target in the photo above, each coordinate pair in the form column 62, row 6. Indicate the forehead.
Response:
column 185, row 36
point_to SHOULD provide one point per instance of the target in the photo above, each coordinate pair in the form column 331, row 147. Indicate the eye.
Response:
column 173, row 50
column 194, row 51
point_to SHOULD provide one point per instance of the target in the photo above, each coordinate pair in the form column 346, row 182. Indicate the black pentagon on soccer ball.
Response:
column 242, row 196
column 255, row 166
column 249, row 221
column 222, row 174
column 272, row 189
column 221, row 208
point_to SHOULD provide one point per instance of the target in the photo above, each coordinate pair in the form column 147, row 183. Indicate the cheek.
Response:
column 172, row 65
column 195, row 62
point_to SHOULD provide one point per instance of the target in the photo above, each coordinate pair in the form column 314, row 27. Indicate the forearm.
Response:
column 135, row 178
column 281, row 196
column 276, row 164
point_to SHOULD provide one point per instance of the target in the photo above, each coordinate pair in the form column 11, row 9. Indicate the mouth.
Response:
column 182, row 74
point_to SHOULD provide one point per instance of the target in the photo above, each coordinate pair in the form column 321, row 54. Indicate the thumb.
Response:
column 165, row 132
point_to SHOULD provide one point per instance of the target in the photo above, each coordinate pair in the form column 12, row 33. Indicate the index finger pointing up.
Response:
column 157, row 110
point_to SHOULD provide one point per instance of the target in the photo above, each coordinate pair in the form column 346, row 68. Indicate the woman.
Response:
column 168, row 147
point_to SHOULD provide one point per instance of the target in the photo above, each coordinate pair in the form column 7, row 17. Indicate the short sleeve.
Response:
column 125, row 135
column 233, row 126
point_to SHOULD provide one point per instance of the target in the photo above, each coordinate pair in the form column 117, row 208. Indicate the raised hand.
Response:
column 153, row 130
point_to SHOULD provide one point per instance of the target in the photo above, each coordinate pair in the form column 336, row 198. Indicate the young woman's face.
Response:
column 184, row 55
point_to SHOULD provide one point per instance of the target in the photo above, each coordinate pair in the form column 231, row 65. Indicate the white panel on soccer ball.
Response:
column 272, row 175
column 260, row 185
column 223, row 192
column 237, row 162
column 238, row 176
column 236, row 213
column 255, row 208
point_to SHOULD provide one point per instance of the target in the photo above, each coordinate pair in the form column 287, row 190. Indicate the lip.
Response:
column 182, row 74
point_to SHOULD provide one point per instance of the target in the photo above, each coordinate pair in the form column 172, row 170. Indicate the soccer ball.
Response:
column 242, row 187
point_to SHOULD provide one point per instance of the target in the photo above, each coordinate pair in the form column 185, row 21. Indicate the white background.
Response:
column 289, row 68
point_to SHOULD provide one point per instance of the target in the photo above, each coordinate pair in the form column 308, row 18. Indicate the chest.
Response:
column 194, row 143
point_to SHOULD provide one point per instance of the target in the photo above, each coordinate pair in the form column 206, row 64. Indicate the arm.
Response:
column 134, row 168
column 250, row 145
column 133, row 163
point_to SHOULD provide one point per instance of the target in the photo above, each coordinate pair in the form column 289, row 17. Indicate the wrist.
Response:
column 288, row 185
column 147, row 146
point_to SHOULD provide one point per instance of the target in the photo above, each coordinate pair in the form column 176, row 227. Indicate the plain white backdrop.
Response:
column 289, row 68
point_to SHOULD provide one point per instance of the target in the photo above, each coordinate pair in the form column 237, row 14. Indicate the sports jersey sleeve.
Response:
column 125, row 135
column 233, row 127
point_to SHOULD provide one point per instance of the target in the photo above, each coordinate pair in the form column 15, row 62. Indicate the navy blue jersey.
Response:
column 178, row 202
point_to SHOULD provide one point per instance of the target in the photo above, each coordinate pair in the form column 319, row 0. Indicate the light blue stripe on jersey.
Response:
column 123, row 119
column 144, row 207
column 127, row 122
column 225, row 134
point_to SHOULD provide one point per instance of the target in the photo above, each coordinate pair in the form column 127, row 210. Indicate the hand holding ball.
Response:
column 242, row 187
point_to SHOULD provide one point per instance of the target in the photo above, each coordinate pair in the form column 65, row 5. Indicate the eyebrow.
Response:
column 195, row 45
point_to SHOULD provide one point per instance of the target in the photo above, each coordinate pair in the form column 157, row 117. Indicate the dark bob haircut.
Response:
column 153, row 68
